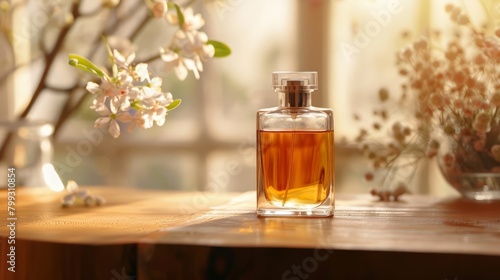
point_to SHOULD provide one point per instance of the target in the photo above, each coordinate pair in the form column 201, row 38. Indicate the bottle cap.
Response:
column 292, row 81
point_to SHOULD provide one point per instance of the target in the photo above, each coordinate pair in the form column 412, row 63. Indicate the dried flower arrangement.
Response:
column 450, row 100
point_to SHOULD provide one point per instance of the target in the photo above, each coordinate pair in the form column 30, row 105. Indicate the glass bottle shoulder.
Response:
column 295, row 118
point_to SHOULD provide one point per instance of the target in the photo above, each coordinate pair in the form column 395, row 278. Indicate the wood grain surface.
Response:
column 193, row 235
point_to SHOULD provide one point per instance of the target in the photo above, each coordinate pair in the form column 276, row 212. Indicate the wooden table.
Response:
column 188, row 235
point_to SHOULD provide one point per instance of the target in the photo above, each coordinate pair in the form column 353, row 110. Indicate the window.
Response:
column 208, row 143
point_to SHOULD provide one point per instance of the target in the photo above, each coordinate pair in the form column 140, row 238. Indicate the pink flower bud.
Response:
column 159, row 8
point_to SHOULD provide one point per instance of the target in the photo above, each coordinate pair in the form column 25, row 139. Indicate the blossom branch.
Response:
column 70, row 106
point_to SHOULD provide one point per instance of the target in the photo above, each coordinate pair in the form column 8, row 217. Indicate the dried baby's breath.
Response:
column 447, row 93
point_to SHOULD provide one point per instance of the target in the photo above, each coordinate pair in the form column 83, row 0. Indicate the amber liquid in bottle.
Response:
column 297, row 167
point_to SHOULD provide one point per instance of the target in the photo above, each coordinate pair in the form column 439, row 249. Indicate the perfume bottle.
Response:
column 295, row 151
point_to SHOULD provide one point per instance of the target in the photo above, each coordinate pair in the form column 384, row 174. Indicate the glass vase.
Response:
column 26, row 146
column 470, row 163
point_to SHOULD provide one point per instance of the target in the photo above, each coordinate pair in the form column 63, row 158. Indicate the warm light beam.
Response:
column 51, row 178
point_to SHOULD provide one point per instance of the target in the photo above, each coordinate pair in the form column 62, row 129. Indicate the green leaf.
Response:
column 221, row 49
column 86, row 69
column 174, row 104
column 180, row 15
column 108, row 50
column 82, row 63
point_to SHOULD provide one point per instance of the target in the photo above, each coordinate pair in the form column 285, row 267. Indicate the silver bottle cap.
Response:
column 295, row 81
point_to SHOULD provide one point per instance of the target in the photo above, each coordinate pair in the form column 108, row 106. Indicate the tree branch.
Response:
column 70, row 107
column 49, row 61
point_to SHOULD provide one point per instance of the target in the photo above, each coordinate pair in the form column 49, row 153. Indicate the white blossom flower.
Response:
column 156, row 82
column 128, row 92
column 122, row 45
column 109, row 119
column 137, row 120
column 113, row 127
column 155, row 103
column 191, row 21
column 113, row 99
column 93, row 87
column 194, row 45
column 179, row 64
column 122, row 60
column 132, row 96
column 135, row 93
column 189, row 47
column 82, row 196
column 142, row 72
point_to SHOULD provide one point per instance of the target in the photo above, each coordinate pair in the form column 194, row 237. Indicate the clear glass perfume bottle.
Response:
column 295, row 152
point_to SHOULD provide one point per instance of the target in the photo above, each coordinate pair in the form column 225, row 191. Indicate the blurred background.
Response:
column 208, row 143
